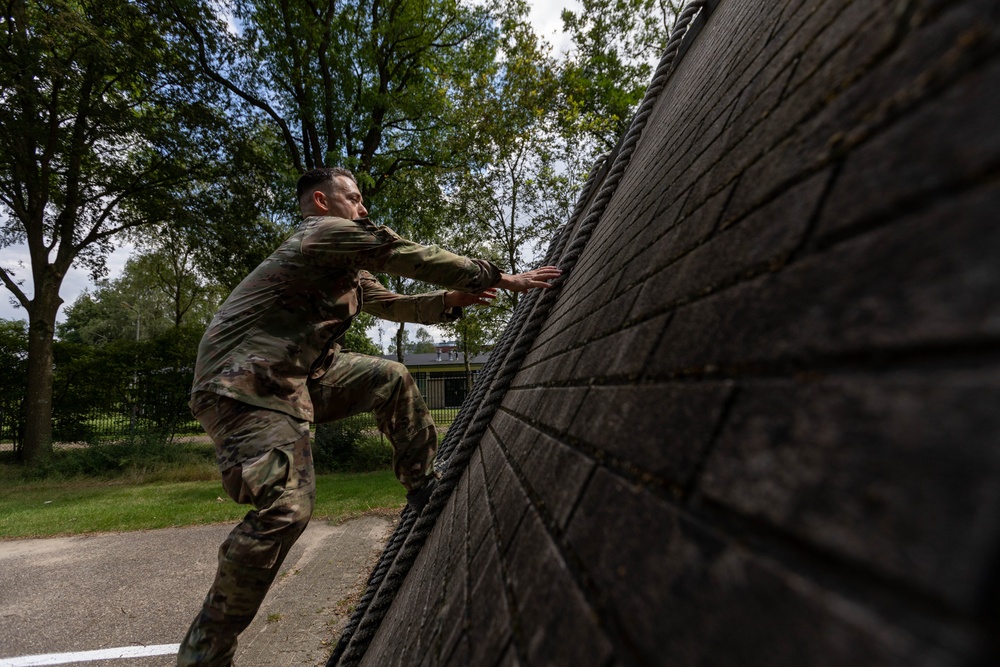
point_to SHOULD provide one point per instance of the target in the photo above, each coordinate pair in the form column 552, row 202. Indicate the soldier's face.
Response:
column 346, row 201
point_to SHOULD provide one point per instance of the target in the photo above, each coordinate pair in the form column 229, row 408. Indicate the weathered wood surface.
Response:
column 760, row 426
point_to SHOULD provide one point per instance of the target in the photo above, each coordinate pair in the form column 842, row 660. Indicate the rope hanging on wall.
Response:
column 503, row 364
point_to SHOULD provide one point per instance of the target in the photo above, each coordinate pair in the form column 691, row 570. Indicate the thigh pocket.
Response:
column 264, row 478
column 255, row 433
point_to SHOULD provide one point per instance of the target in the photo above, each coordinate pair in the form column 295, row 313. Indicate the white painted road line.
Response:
column 90, row 656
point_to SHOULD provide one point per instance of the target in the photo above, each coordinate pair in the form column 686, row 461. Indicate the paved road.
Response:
column 82, row 594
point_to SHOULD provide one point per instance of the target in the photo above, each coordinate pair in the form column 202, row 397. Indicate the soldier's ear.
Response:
column 320, row 201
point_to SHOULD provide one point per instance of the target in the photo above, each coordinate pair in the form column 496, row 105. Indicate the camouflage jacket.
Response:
column 277, row 328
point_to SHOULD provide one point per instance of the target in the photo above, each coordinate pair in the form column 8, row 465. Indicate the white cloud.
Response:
column 546, row 17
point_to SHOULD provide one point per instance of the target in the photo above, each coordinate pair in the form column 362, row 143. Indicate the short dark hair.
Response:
column 314, row 177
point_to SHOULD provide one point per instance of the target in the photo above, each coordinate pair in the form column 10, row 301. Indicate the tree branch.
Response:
column 9, row 283
column 246, row 96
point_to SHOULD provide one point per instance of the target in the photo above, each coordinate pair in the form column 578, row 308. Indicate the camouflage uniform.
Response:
column 268, row 365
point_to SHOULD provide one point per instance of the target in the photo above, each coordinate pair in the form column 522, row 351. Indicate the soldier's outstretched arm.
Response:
column 425, row 308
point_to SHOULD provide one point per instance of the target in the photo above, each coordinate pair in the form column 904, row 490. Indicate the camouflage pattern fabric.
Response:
column 267, row 463
column 275, row 330
column 268, row 365
column 357, row 383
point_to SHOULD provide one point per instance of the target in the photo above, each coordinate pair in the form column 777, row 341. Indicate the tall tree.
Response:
column 169, row 270
column 367, row 84
column 236, row 216
column 616, row 44
column 513, row 181
column 159, row 291
column 99, row 113
column 364, row 84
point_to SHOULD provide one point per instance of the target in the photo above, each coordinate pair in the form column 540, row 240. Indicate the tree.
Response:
column 233, row 218
column 616, row 44
column 369, row 85
column 158, row 291
column 399, row 345
column 513, row 191
column 423, row 344
column 100, row 114
column 356, row 339
column 168, row 269
column 364, row 84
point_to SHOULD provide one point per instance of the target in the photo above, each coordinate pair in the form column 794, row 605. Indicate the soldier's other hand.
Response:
column 522, row 282
column 463, row 299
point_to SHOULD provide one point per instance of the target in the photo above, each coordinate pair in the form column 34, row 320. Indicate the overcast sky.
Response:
column 545, row 16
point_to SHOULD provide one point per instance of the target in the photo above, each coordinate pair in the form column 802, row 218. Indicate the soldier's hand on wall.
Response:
column 522, row 282
column 462, row 299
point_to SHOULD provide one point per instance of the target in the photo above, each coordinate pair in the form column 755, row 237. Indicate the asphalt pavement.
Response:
column 82, row 600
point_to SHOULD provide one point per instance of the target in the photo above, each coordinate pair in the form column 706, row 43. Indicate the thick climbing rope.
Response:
column 504, row 362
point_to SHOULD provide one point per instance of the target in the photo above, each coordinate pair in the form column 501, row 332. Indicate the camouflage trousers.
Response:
column 265, row 460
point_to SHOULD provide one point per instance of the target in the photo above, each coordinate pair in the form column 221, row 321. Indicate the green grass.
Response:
column 48, row 508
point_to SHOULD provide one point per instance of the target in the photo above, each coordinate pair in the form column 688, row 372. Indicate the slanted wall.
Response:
column 760, row 424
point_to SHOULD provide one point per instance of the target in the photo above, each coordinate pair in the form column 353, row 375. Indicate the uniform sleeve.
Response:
column 361, row 245
column 427, row 308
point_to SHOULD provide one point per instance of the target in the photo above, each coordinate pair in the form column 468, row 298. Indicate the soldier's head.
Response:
column 330, row 191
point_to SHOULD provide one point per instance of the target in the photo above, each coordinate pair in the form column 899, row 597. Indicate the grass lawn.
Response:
column 47, row 508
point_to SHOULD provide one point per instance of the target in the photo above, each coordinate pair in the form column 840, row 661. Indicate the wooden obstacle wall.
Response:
column 760, row 425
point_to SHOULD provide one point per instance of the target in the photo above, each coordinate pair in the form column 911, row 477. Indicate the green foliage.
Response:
column 346, row 446
column 616, row 44
column 235, row 217
column 158, row 291
column 155, row 121
column 13, row 376
column 514, row 188
column 356, row 339
column 424, row 343
column 149, row 381
column 102, row 116
column 363, row 84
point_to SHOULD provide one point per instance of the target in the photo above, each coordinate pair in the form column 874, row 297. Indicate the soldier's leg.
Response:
column 357, row 383
column 266, row 461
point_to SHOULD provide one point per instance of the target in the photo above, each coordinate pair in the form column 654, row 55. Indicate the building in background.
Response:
column 441, row 374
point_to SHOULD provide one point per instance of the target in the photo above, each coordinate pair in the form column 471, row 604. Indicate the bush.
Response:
column 135, row 458
column 346, row 446
column 372, row 453
column 13, row 379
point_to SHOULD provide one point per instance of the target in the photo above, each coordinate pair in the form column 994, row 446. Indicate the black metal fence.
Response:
column 135, row 405
column 127, row 404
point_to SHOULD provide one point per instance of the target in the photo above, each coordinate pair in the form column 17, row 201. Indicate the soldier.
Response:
column 268, row 365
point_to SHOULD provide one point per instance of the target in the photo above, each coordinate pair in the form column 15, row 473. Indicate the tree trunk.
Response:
column 400, row 333
column 41, row 331
column 468, row 365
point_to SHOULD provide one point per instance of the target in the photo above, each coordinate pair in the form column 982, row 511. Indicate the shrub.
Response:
column 136, row 458
column 347, row 446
